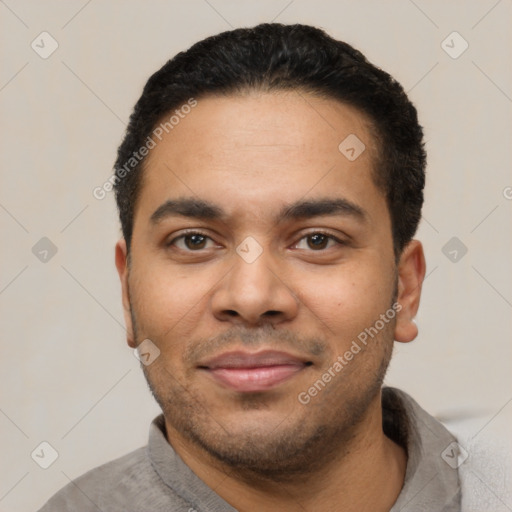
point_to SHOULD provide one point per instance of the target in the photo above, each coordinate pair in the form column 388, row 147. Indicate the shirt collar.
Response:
column 177, row 475
column 431, row 480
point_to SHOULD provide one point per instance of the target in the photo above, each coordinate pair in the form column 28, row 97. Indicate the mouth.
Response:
column 246, row 372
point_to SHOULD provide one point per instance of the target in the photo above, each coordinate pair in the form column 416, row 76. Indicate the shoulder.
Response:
column 106, row 487
column 485, row 469
column 484, row 448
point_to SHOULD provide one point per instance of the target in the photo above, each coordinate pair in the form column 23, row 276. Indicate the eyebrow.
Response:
column 317, row 207
column 187, row 207
column 302, row 209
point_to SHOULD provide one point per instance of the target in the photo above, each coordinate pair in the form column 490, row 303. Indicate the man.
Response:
column 269, row 187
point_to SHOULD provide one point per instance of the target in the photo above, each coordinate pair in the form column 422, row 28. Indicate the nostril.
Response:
column 272, row 313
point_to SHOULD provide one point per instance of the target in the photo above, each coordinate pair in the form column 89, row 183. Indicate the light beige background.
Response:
column 68, row 377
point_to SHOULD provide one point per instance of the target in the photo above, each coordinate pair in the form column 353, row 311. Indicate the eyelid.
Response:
column 328, row 234
column 198, row 231
column 185, row 232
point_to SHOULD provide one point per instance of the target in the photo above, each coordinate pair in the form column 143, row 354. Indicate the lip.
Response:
column 253, row 372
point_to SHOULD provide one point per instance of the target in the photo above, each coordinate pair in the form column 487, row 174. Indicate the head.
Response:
column 271, row 211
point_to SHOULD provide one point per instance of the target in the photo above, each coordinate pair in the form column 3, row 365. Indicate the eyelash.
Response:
column 330, row 236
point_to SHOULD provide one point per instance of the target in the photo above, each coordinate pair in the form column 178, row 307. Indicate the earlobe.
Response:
column 411, row 272
column 121, row 260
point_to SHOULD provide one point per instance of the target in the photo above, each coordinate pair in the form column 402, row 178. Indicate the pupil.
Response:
column 317, row 240
column 195, row 241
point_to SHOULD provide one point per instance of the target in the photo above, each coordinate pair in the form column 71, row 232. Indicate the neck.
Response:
column 365, row 474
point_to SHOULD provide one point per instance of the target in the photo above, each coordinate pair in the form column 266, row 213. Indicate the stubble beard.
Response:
column 293, row 449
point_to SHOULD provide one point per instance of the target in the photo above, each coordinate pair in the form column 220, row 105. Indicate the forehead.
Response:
column 252, row 151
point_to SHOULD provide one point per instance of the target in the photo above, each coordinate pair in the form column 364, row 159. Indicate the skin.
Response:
column 252, row 155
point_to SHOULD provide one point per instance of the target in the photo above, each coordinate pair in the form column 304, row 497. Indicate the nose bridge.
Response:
column 252, row 274
column 253, row 287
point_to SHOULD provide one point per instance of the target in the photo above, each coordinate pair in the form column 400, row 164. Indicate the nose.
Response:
column 254, row 293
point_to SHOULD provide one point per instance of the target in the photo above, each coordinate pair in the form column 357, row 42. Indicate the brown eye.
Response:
column 195, row 241
column 317, row 241
column 191, row 242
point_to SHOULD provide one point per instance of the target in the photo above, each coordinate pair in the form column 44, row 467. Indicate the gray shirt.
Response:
column 155, row 479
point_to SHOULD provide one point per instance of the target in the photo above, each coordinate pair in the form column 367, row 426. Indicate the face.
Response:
column 260, row 255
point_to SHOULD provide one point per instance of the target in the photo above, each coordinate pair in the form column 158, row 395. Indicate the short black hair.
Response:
column 273, row 56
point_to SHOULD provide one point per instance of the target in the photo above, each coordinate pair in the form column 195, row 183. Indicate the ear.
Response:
column 411, row 272
column 122, row 270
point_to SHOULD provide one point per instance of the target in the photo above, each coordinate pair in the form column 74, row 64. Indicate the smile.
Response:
column 245, row 372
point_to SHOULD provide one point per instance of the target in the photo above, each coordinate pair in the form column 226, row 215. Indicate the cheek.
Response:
column 345, row 299
column 167, row 300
